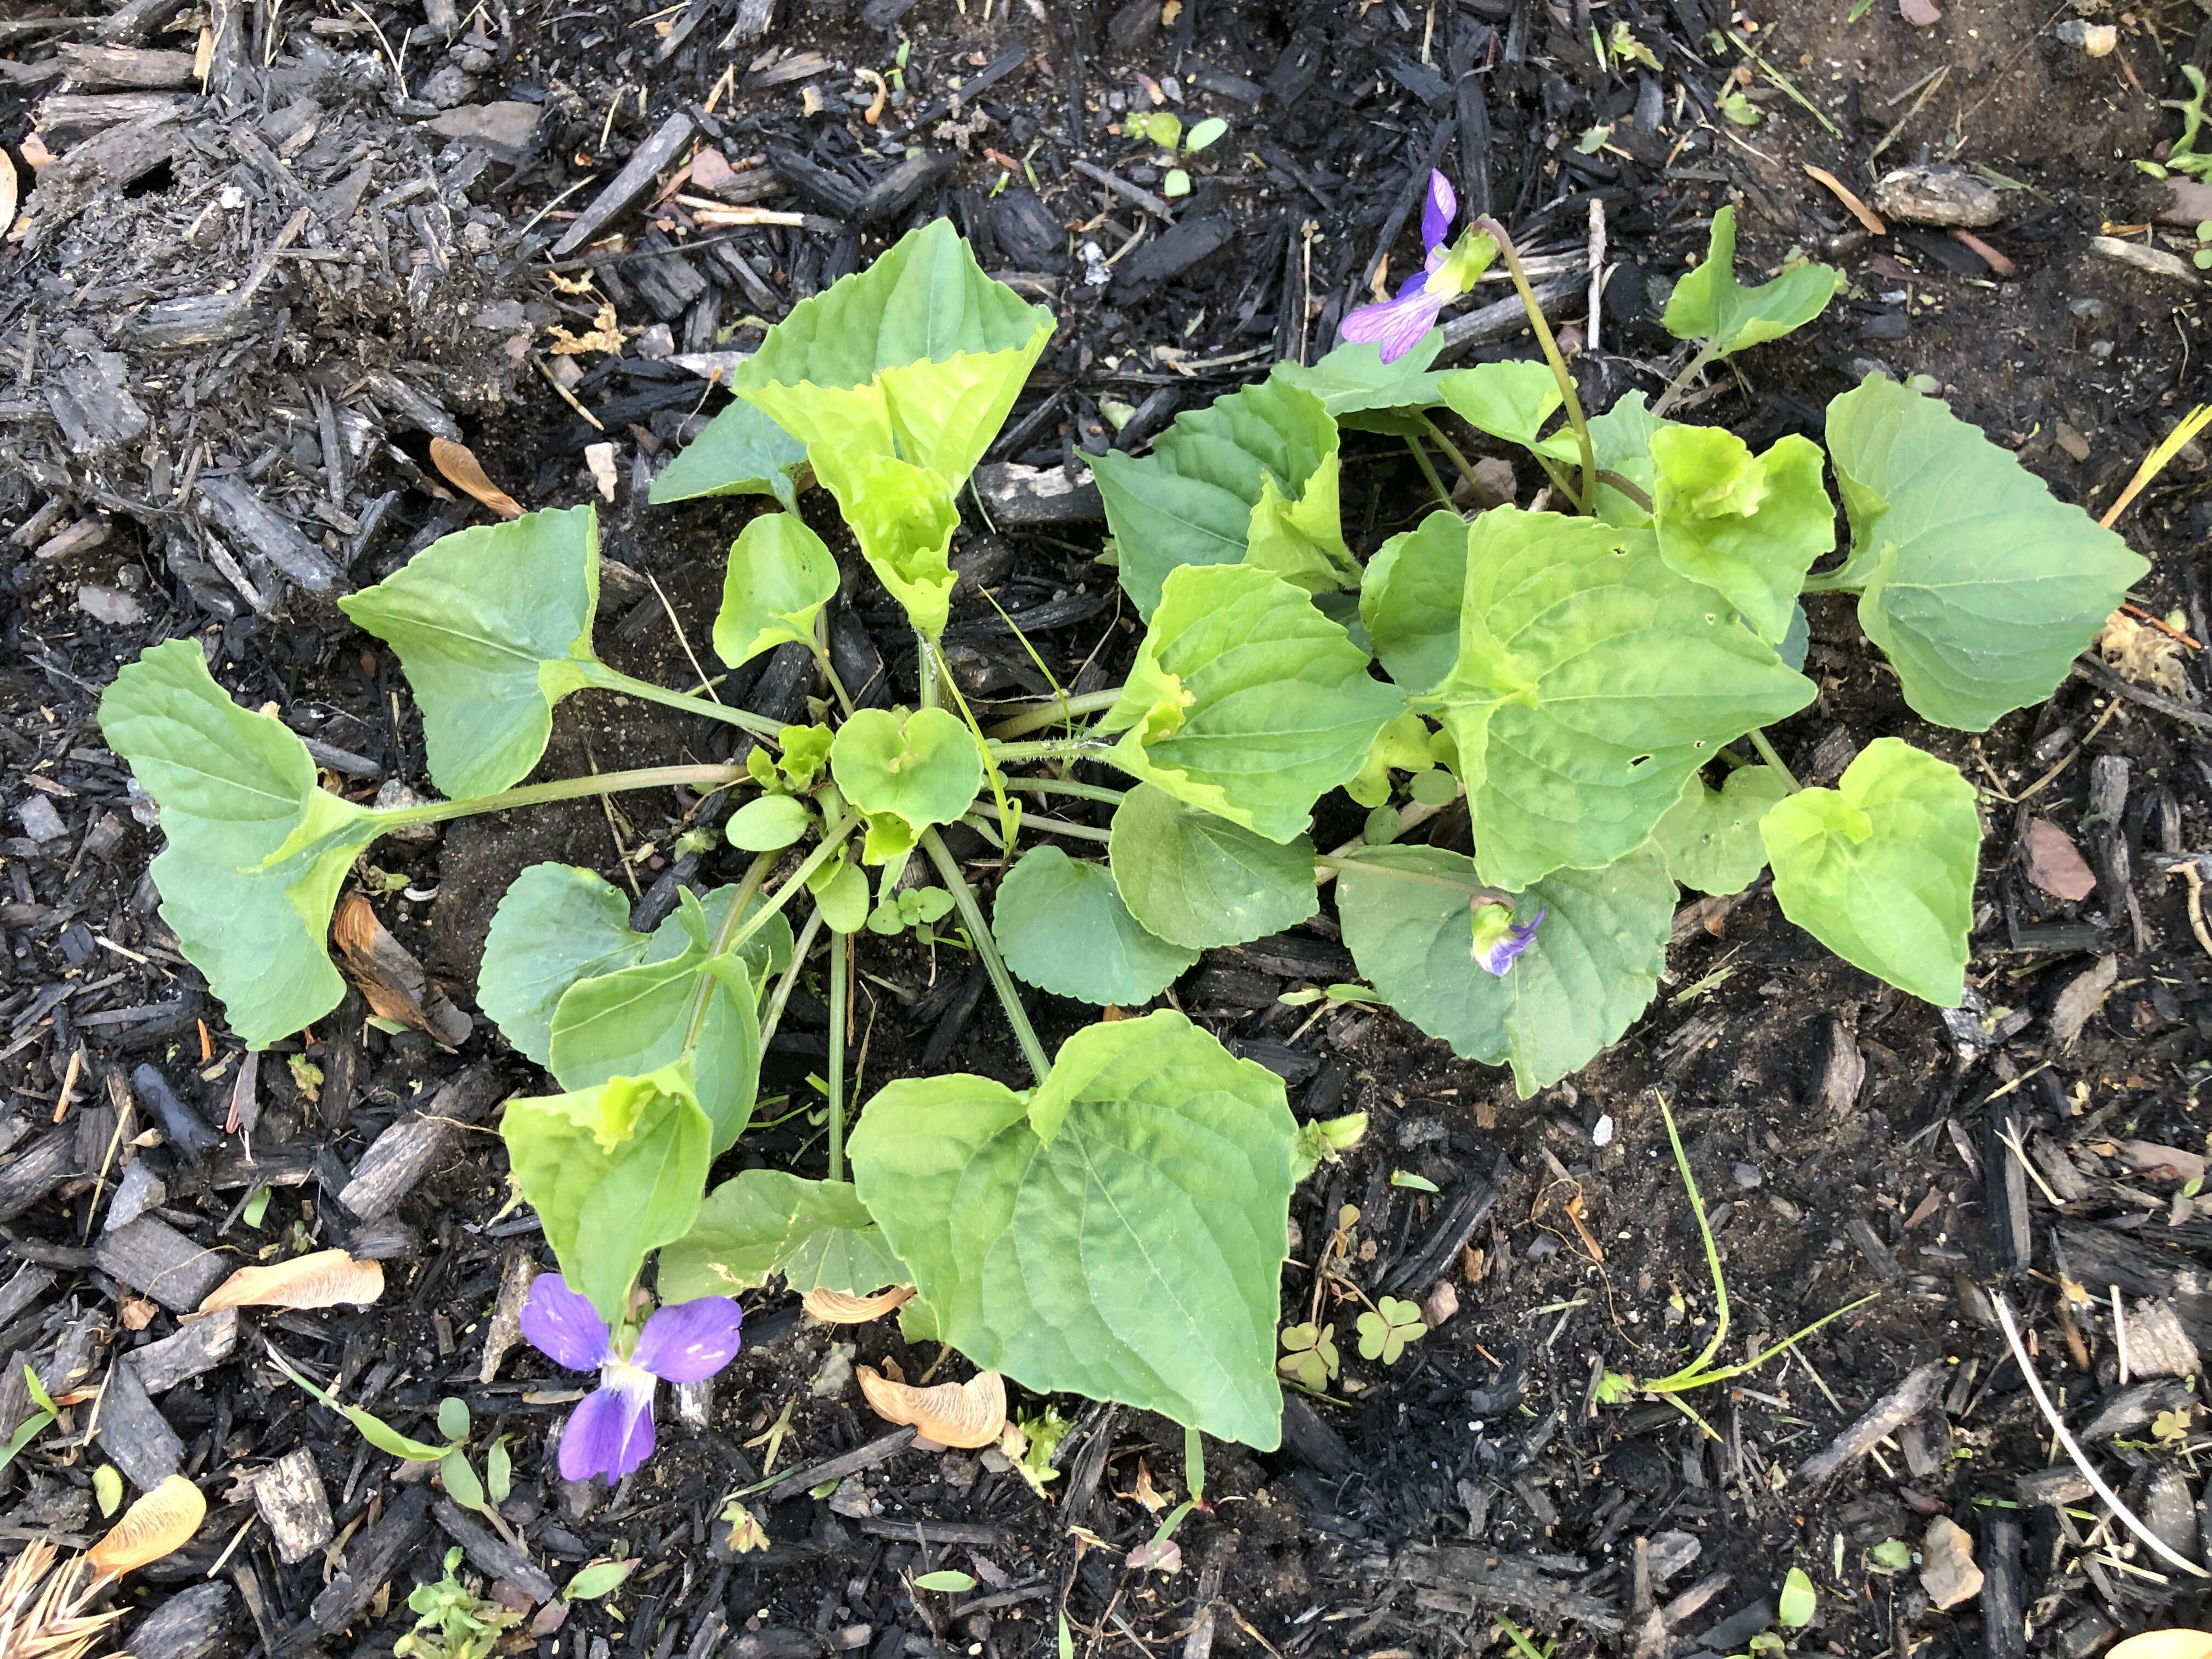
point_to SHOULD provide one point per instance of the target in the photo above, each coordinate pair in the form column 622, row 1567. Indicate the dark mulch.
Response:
column 244, row 305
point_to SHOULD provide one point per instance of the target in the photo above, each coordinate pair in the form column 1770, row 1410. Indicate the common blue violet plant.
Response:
column 611, row 1432
column 1591, row 684
column 1396, row 325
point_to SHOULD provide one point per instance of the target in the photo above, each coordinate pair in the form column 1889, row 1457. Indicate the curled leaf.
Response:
column 390, row 977
column 160, row 1524
column 841, row 1308
column 466, row 473
column 326, row 1279
column 964, row 1414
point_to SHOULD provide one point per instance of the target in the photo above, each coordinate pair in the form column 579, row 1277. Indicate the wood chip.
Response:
column 289, row 1495
column 325, row 1278
column 466, row 473
column 964, row 1414
column 159, row 1524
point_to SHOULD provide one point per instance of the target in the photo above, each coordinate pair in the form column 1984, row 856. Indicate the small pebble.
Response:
column 2097, row 39
column 41, row 821
column 1746, row 1175
column 109, row 605
column 1947, row 1571
column 1937, row 194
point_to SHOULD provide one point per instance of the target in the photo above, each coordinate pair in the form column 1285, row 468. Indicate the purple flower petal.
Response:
column 611, row 1432
column 1499, row 956
column 689, row 1341
column 1396, row 326
column 1438, row 211
column 563, row 1326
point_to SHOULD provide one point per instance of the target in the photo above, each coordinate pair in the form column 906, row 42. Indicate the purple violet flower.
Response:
column 611, row 1433
column 1396, row 325
column 1499, row 940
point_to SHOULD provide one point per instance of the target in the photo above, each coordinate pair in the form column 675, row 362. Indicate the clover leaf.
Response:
column 1119, row 1233
column 257, row 849
column 1880, row 868
column 1384, row 1332
column 493, row 627
column 780, row 575
column 1709, row 303
column 905, row 774
column 1310, row 1357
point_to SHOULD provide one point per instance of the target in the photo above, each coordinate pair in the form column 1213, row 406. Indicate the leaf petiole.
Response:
column 1429, row 471
column 840, row 995
column 1682, row 383
column 1051, row 714
column 602, row 678
column 1588, row 498
column 1048, row 749
column 1760, row 741
column 702, row 778
column 964, row 896
column 756, row 873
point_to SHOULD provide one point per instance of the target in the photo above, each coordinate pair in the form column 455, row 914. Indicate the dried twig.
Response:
column 2126, row 1516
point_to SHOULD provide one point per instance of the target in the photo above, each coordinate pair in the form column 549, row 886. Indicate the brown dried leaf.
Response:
column 326, row 1279
column 603, row 336
column 964, row 1414
column 160, row 1524
column 838, row 1307
column 388, row 975
column 464, row 472
column 2148, row 656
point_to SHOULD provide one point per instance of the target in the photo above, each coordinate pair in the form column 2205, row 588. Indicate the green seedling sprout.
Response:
column 1163, row 129
column 1615, row 1387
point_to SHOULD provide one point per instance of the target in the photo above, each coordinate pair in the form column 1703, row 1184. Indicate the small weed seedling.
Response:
column 1614, row 1387
column 1163, row 130
column 1591, row 684
column 451, row 1619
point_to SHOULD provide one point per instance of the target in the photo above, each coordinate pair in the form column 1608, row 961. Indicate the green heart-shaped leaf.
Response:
column 1591, row 681
column 1591, row 969
column 1748, row 526
column 1621, row 440
column 1062, row 925
column 762, row 1223
column 1120, row 1234
column 779, row 577
column 741, row 453
column 1354, row 380
column 903, row 517
column 1513, row 401
column 613, row 1172
column 920, row 355
column 1980, row 585
column 493, row 627
column 917, row 771
column 1246, row 701
column 1410, row 596
column 1710, row 836
column 256, row 850
column 1708, row 304
column 1194, row 878
column 1880, row 868
column 1245, row 461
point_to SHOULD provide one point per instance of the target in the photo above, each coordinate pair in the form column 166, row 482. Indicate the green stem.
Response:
column 978, row 819
column 840, row 991
column 1496, row 231
column 964, row 896
column 1683, row 382
column 925, row 670
column 782, row 995
column 1759, row 741
column 1068, row 786
column 1429, row 471
column 1050, row 749
column 832, row 838
column 1051, row 714
column 1627, row 486
column 702, row 778
column 1438, row 436
column 756, row 873
column 821, row 644
column 599, row 675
